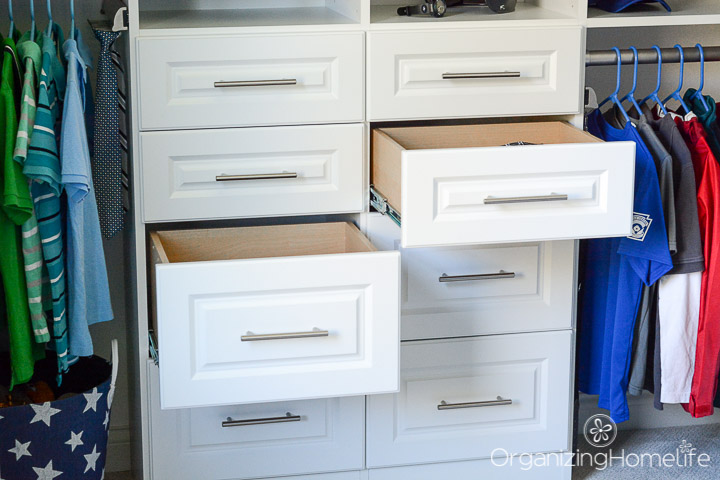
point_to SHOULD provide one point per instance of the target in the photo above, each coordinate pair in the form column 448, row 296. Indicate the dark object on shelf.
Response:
column 437, row 8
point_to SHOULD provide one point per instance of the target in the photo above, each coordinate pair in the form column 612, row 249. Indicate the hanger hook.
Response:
column 50, row 19
column 613, row 95
column 676, row 94
column 32, row 20
column 698, row 94
column 72, row 19
column 631, row 94
column 12, row 20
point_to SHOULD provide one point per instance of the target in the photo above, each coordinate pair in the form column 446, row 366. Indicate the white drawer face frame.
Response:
column 190, row 443
column 532, row 371
column 476, row 73
column 522, row 287
column 273, row 329
column 252, row 172
column 250, row 80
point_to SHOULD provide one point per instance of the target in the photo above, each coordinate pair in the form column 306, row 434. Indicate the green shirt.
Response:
column 16, row 209
column 38, row 286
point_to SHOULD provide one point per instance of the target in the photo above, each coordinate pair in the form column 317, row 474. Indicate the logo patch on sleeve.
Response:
column 640, row 226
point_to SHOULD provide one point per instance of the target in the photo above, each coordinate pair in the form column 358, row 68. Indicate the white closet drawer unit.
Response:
column 258, row 440
column 461, row 399
column 520, row 287
column 250, row 172
column 456, row 185
column 214, row 81
column 474, row 73
column 263, row 314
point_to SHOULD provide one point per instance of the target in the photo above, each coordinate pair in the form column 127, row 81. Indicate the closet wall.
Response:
column 102, row 333
column 602, row 79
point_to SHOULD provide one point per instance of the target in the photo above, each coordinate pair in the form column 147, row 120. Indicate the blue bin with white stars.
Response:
column 65, row 439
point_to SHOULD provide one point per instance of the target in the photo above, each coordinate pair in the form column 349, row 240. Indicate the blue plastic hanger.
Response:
column 699, row 94
column 50, row 20
column 631, row 94
column 613, row 96
column 72, row 19
column 654, row 95
column 32, row 20
column 12, row 20
column 676, row 94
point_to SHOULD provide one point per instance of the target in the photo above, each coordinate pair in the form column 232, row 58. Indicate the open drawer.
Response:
column 455, row 185
column 262, row 314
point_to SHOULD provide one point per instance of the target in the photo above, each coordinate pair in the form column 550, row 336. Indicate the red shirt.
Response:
column 707, row 355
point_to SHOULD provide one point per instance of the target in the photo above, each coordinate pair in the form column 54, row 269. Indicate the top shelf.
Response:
column 685, row 12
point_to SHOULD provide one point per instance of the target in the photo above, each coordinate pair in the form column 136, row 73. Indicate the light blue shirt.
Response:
column 88, row 290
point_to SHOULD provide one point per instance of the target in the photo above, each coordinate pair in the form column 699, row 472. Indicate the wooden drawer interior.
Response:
column 388, row 144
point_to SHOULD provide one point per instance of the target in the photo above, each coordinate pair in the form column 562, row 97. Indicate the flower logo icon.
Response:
column 600, row 430
column 686, row 447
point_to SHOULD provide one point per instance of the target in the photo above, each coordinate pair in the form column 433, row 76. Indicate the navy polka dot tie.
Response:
column 107, row 161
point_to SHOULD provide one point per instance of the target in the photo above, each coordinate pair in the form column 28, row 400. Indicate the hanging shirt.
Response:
column 707, row 175
column 708, row 118
column 38, row 284
column 16, row 209
column 89, row 293
column 43, row 166
column 615, row 271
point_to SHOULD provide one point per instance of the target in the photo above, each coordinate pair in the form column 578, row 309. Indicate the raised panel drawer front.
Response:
column 265, row 314
column 469, row 184
column 246, row 80
column 258, row 440
column 474, row 73
column 462, row 399
column 251, row 172
column 480, row 290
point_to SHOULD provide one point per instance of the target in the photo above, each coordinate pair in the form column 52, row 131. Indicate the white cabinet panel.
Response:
column 461, row 399
column 473, row 73
column 252, row 172
column 521, row 287
column 462, row 185
column 250, row 80
column 262, row 314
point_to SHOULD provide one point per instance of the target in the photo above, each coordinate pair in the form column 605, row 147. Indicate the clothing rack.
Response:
column 595, row 58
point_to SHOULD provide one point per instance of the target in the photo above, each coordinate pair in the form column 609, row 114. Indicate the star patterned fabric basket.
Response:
column 65, row 439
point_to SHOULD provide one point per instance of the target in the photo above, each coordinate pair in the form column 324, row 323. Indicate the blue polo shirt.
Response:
column 615, row 270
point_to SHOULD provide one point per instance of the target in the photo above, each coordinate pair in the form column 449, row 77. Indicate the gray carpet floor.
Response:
column 636, row 443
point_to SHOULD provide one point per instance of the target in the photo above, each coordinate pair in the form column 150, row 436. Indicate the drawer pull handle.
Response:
column 258, row 176
column 458, row 76
column 445, row 278
column 251, row 337
column 289, row 417
column 535, row 198
column 256, row 83
column 489, row 403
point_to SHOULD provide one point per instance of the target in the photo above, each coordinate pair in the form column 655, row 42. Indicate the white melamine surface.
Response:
column 406, row 69
column 684, row 12
column 538, row 298
column 204, row 308
column 180, row 170
column 191, row 444
column 180, row 75
column 532, row 370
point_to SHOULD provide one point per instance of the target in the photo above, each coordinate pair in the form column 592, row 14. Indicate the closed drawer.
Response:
column 462, row 185
column 474, row 73
column 480, row 290
column 264, row 314
column 188, row 82
column 252, row 172
column 319, row 436
column 462, row 399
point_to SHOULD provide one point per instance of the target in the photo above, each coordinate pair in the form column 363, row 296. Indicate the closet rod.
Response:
column 595, row 58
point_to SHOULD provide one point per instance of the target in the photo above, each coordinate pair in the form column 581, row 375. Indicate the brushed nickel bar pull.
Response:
column 445, row 278
column 251, row 337
column 257, row 176
column 535, row 198
column 289, row 417
column 459, row 76
column 256, row 83
column 489, row 403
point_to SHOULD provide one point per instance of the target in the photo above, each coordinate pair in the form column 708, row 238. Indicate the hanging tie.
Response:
column 107, row 168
